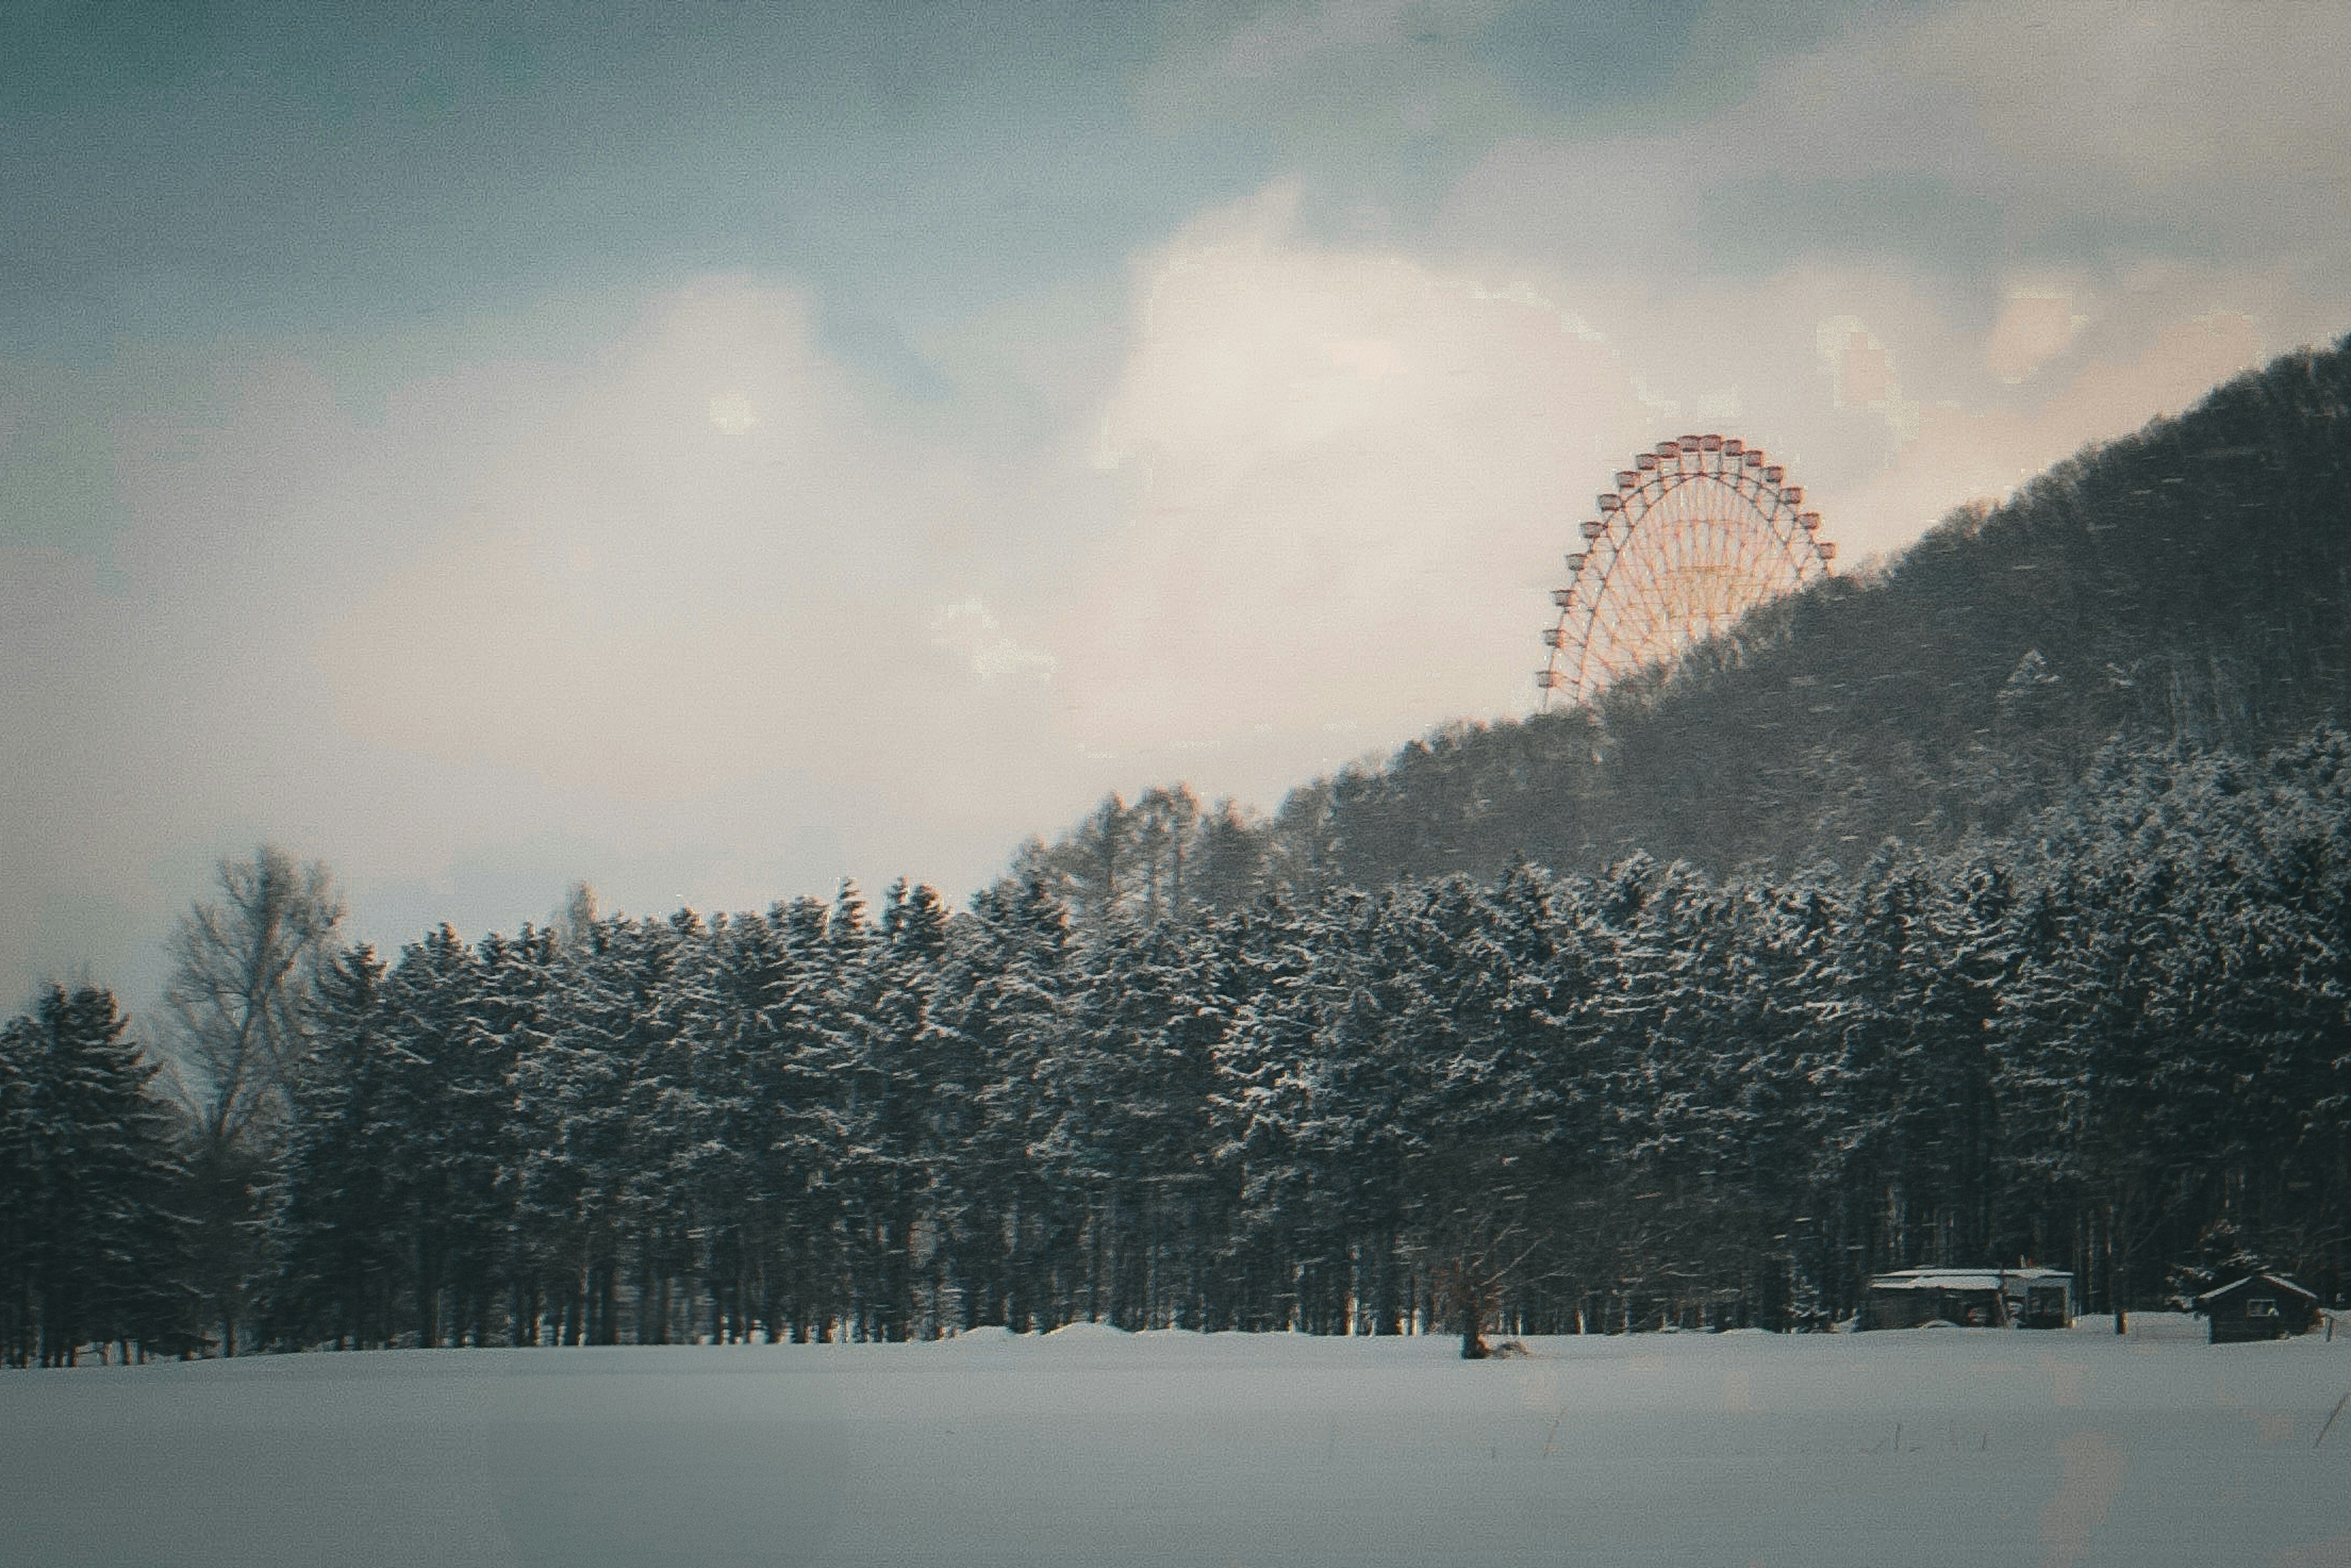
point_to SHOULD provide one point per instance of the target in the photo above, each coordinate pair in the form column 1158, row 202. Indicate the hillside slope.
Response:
column 2193, row 581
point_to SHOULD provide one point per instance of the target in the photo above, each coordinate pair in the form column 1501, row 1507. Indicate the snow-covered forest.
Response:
column 2115, row 1040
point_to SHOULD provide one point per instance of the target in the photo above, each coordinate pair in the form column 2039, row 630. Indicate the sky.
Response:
column 709, row 451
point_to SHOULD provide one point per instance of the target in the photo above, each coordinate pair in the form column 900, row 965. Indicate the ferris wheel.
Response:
column 1696, row 533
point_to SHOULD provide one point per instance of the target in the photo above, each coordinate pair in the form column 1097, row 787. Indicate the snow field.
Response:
column 1094, row 1447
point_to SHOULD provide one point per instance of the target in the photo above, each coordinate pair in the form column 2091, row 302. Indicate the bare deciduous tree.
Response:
column 241, row 968
column 244, row 971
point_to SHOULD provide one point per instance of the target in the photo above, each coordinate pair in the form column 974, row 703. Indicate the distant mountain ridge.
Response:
column 2190, row 583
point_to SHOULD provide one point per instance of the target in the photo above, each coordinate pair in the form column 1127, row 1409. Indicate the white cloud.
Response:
column 1861, row 372
column 1284, row 38
column 970, row 630
column 1354, row 471
column 732, row 413
column 526, row 622
column 2154, row 92
column 2037, row 322
column 679, row 599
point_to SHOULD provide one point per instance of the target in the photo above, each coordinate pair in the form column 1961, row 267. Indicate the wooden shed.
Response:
column 1969, row 1298
column 2039, row 1298
column 2259, row 1306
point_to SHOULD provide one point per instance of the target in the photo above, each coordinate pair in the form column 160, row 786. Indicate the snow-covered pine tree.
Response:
column 99, row 1244
column 728, row 1070
column 1271, row 955
column 1011, row 1227
column 435, row 1177
column 22, row 1107
column 1131, row 1091
column 898, row 1037
column 340, row 1265
column 578, row 1096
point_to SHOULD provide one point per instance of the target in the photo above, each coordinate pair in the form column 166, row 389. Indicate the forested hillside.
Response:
column 2191, row 583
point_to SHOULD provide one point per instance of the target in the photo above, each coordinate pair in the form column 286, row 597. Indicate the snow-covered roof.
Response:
column 1938, row 1279
column 1967, row 1279
column 2280, row 1281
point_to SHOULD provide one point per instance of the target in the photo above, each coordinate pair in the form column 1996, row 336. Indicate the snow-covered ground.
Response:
column 1094, row 1446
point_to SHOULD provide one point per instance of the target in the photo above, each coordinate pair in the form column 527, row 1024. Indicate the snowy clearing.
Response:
column 1094, row 1447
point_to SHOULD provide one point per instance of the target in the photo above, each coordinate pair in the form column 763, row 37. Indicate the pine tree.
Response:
column 593, row 1171
column 897, row 1115
column 97, row 1245
column 22, row 1199
column 1011, row 1226
column 340, row 1263
column 1276, row 959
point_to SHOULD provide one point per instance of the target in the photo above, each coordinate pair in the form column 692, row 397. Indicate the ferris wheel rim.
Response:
column 1758, row 544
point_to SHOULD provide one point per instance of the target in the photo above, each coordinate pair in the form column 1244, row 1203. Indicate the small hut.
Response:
column 1911, row 1298
column 1969, row 1298
column 2039, row 1298
column 2259, row 1306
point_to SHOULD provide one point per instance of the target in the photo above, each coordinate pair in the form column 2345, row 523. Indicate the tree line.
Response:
column 2114, row 1041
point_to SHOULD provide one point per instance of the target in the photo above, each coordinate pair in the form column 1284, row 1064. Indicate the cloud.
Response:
column 1370, row 104
column 1968, row 140
column 1283, row 39
column 521, row 623
column 732, row 413
column 970, row 632
column 1351, row 473
column 2006, row 230
column 2036, row 324
column 1861, row 372
column 2154, row 93
column 677, row 586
